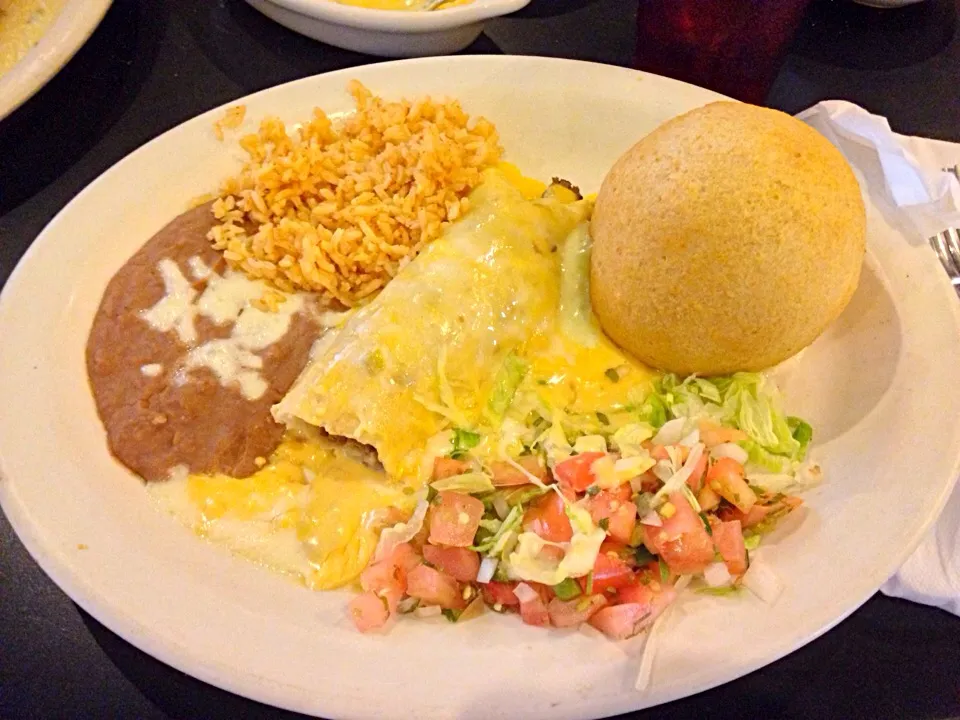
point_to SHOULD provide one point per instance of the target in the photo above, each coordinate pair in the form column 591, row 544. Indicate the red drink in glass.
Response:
column 731, row 46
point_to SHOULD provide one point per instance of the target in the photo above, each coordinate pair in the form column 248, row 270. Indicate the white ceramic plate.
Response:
column 880, row 388
column 388, row 33
column 70, row 30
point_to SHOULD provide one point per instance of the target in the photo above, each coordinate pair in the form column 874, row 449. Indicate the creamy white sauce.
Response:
column 198, row 268
column 175, row 310
column 151, row 369
column 227, row 299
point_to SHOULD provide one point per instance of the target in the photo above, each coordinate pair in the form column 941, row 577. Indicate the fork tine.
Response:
column 951, row 239
column 939, row 244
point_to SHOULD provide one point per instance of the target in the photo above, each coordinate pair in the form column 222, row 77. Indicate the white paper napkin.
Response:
column 905, row 179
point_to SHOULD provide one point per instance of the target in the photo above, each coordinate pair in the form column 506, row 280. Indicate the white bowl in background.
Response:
column 388, row 33
column 887, row 4
column 68, row 32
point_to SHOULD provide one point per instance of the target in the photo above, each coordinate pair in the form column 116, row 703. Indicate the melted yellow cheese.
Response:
column 310, row 490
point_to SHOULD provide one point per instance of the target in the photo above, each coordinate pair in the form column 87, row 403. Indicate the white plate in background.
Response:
column 67, row 34
column 879, row 388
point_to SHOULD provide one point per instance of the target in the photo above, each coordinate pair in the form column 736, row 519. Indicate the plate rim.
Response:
column 223, row 676
column 69, row 32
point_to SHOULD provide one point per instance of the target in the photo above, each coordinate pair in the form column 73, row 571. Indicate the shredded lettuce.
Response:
column 505, row 386
column 463, row 441
column 473, row 483
column 747, row 401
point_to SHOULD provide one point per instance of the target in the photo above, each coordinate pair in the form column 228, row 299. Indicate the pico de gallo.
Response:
column 563, row 521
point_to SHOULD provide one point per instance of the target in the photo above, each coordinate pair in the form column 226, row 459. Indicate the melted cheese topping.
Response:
column 311, row 512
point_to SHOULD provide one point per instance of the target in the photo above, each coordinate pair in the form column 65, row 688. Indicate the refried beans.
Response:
column 157, row 417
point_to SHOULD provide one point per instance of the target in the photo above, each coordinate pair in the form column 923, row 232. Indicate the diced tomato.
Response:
column 388, row 577
column 444, row 467
column 683, row 519
column 547, row 517
column 646, row 606
column 406, row 556
column 712, row 434
column 725, row 476
column 621, row 515
column 534, row 612
column 506, row 475
column 683, row 542
column 570, row 613
column 454, row 519
column 688, row 554
column 386, row 580
column 499, row 593
column 634, row 593
column 728, row 538
column 368, row 612
column 575, row 472
column 619, row 622
column 459, row 563
column 434, row 587
column 696, row 475
column 610, row 572
column 615, row 547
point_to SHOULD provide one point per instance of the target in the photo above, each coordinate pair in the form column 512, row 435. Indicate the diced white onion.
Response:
column 670, row 433
column 488, row 566
column 809, row 474
column 690, row 439
column 501, row 507
column 762, row 581
column 652, row 518
column 427, row 611
column 716, row 574
column 680, row 477
column 729, row 450
column 525, row 593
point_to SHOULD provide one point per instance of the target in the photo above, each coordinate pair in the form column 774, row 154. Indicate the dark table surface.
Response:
column 152, row 65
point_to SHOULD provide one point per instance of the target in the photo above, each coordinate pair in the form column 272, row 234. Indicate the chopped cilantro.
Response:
column 592, row 490
column 604, row 524
column 567, row 590
column 643, row 556
column 612, row 374
column 664, row 570
column 463, row 440
column 706, row 524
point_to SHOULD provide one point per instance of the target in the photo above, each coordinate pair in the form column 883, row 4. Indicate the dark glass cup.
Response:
column 734, row 47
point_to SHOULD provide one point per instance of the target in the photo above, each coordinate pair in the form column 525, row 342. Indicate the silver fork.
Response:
column 947, row 246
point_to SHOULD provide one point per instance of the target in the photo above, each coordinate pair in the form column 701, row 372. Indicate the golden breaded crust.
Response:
column 727, row 239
